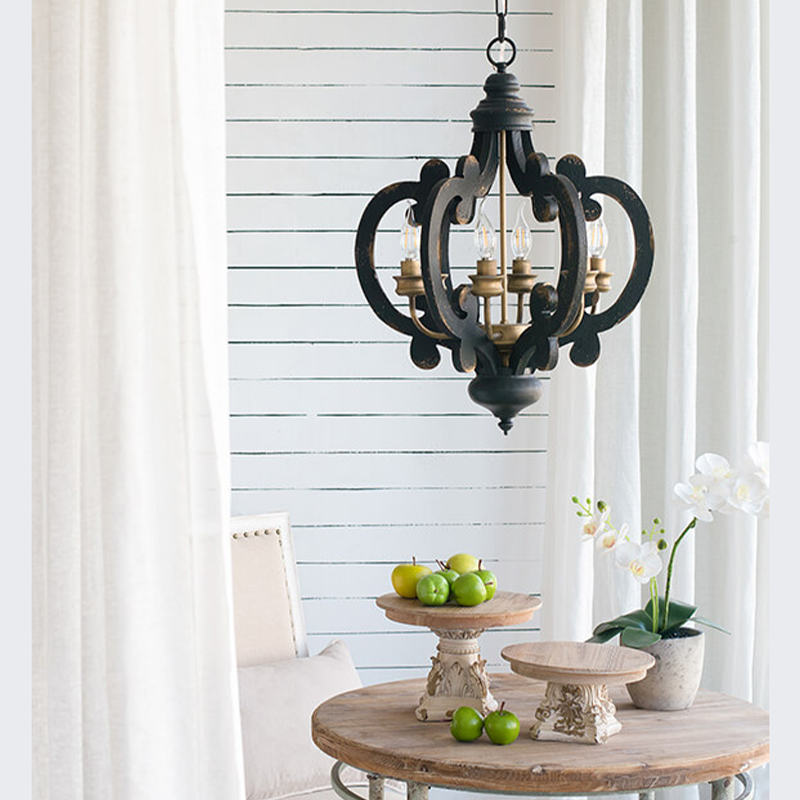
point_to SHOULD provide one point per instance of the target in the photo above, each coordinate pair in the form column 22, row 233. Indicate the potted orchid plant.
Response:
column 717, row 487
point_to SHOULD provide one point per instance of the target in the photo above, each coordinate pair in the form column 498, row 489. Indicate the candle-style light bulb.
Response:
column 410, row 237
column 521, row 238
column 596, row 237
column 484, row 235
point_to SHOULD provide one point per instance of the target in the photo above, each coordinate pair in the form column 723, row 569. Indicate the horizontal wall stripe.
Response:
column 335, row 157
column 381, row 49
column 410, row 632
column 466, row 230
column 426, row 524
column 384, row 85
column 326, row 195
column 381, row 452
column 315, row 342
column 388, row 414
column 383, row 12
column 364, row 120
column 319, row 66
column 317, row 157
column 348, row 378
column 403, row 488
column 332, row 267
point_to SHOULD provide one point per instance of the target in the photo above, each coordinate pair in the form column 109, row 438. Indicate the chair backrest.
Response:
column 268, row 617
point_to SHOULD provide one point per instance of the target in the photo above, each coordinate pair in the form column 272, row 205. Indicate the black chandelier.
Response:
column 504, row 354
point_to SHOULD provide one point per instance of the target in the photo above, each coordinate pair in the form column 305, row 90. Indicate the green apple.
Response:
column 433, row 589
column 466, row 724
column 449, row 574
column 469, row 590
column 462, row 562
column 405, row 577
column 502, row 727
column 489, row 580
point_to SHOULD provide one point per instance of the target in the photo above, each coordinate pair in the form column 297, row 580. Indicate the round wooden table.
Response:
column 458, row 673
column 374, row 729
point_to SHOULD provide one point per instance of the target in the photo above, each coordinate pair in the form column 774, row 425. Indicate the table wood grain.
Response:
column 505, row 608
column 374, row 729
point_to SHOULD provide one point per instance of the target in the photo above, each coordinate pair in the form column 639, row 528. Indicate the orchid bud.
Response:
column 662, row 544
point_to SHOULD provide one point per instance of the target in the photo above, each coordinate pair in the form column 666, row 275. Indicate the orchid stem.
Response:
column 654, row 601
column 671, row 564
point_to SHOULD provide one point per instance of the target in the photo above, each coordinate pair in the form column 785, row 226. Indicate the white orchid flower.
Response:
column 718, row 475
column 642, row 560
column 695, row 493
column 595, row 523
column 750, row 493
column 610, row 539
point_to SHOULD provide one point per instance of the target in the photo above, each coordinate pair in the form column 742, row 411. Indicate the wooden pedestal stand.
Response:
column 458, row 675
column 576, row 705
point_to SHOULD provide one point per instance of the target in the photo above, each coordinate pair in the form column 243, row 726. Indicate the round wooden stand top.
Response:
column 374, row 729
column 579, row 663
column 505, row 608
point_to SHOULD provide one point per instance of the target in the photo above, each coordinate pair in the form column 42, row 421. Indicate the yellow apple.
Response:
column 463, row 562
column 405, row 577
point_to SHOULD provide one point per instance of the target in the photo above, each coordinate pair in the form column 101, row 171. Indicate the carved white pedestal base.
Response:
column 575, row 713
column 457, row 678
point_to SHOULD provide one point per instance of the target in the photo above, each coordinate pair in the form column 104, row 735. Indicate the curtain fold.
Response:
column 134, row 682
column 684, row 110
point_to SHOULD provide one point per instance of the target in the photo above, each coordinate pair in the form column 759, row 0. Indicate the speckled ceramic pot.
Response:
column 672, row 684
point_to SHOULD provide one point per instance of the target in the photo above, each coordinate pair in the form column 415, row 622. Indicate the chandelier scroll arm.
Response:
column 572, row 270
column 554, row 310
column 519, row 148
column 366, row 232
column 455, row 311
column 424, row 352
column 585, row 338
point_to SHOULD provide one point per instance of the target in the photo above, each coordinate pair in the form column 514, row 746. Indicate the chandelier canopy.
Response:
column 504, row 353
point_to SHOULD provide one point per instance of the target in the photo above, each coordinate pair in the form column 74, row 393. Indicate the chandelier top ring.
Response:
column 500, row 65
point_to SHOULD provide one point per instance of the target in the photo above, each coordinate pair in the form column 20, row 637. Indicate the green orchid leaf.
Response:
column 633, row 637
column 637, row 619
column 679, row 614
column 606, row 626
column 710, row 624
column 633, row 619
column 605, row 635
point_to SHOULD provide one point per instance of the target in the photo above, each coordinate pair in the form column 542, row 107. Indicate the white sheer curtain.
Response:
column 669, row 96
column 134, row 693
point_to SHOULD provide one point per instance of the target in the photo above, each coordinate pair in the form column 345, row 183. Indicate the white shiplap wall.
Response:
column 375, row 460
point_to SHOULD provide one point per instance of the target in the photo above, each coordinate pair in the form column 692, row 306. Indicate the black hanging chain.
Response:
column 501, row 9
